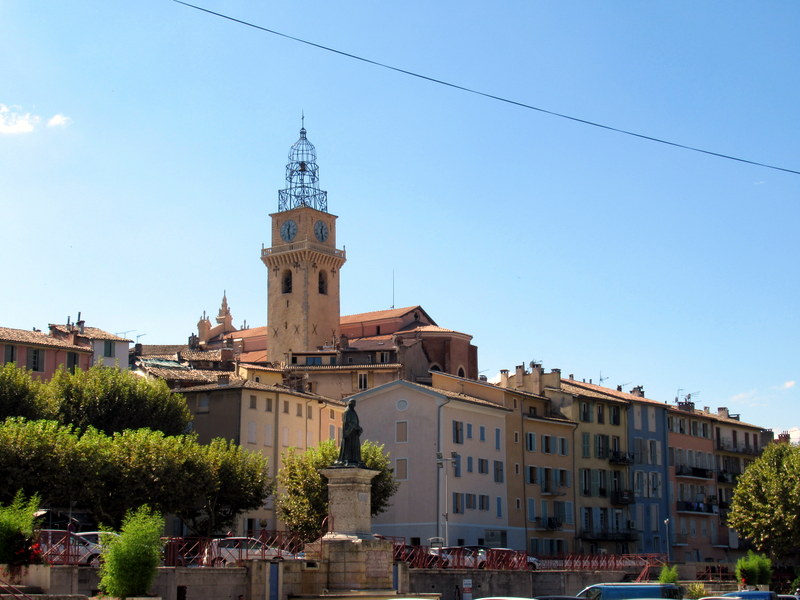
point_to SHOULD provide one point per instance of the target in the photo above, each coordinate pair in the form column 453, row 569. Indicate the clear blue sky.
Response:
column 142, row 145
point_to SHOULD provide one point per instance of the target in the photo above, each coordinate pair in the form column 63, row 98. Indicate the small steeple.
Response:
column 302, row 177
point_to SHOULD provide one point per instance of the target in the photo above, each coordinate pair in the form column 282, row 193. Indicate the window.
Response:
column 471, row 501
column 268, row 408
column 483, row 466
column 586, row 482
column 530, row 474
column 363, row 381
column 530, row 442
column 313, row 360
column 251, row 432
column 601, row 446
column 483, row 502
column 286, row 407
column 614, row 416
column 383, row 357
column 531, row 509
column 482, row 433
column 585, row 445
column 72, row 361
column 563, row 446
column 499, row 505
column 401, row 431
column 253, row 402
column 268, row 434
column 469, row 464
column 497, row 439
column 498, row 471
column 458, row 503
column 309, row 412
column 35, row 359
column 10, row 353
column 456, row 464
column 469, row 431
column 586, row 412
column 323, row 282
column 286, row 282
column 299, row 410
column 458, row 432
column 601, row 414
column 547, row 444
column 401, row 468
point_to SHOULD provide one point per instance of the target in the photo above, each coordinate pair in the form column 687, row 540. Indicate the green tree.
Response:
column 754, row 569
column 20, row 394
column 239, row 481
column 766, row 502
column 131, row 559
column 302, row 502
column 112, row 400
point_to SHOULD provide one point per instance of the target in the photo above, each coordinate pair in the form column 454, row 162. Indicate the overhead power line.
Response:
column 488, row 95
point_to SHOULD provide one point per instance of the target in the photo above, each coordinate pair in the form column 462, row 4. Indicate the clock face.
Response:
column 321, row 231
column 288, row 230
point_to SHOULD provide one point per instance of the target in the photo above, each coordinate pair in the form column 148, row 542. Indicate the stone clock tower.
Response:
column 302, row 263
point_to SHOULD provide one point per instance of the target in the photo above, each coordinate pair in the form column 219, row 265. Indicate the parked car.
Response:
column 752, row 595
column 94, row 542
column 62, row 547
column 460, row 557
column 624, row 591
column 506, row 558
column 232, row 550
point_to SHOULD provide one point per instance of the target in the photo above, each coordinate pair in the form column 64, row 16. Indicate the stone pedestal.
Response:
column 349, row 502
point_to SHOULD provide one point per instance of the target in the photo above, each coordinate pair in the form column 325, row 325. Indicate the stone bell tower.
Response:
column 302, row 262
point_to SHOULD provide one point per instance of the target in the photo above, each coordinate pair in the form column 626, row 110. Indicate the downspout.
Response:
column 438, row 466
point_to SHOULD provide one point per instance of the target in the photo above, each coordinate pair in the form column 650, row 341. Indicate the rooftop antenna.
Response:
column 124, row 333
column 601, row 379
column 140, row 335
column 678, row 394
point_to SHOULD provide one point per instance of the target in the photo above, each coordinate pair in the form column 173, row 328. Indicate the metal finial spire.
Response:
column 302, row 177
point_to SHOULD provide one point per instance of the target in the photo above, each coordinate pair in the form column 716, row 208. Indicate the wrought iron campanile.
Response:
column 302, row 178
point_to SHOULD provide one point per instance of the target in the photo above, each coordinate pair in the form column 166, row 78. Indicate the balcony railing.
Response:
column 550, row 489
column 617, row 457
column 686, row 471
column 622, row 497
column 608, row 534
column 695, row 507
column 728, row 446
column 727, row 477
column 554, row 523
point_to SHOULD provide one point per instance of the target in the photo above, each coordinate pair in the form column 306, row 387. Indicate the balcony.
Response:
column 618, row 457
column 606, row 534
column 622, row 497
column 553, row 523
column 728, row 446
column 550, row 489
column 696, row 507
column 727, row 477
column 694, row 472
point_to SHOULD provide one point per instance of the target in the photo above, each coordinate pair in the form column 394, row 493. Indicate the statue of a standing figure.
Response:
column 350, row 449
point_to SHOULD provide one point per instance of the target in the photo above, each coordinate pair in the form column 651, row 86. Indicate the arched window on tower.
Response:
column 461, row 372
column 286, row 282
column 323, row 282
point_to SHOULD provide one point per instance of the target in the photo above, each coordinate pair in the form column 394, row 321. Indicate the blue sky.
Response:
column 142, row 146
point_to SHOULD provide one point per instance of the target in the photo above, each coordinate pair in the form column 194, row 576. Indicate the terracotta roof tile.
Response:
column 37, row 338
column 376, row 315
column 162, row 349
column 90, row 333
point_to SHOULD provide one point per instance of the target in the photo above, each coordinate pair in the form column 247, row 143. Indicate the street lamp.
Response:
column 440, row 463
column 669, row 545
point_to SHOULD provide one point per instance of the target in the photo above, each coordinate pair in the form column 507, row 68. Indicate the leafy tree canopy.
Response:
column 111, row 400
column 766, row 502
column 20, row 395
column 207, row 486
column 302, row 500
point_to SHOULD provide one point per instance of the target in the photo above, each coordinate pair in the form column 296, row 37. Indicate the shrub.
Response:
column 754, row 569
column 668, row 574
column 696, row 590
column 129, row 561
column 17, row 525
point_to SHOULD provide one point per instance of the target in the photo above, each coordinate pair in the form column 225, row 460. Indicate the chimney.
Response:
column 504, row 378
column 638, row 391
column 520, row 373
column 619, row 388
column 224, row 379
column 572, row 376
column 783, row 437
column 722, row 411
column 80, row 323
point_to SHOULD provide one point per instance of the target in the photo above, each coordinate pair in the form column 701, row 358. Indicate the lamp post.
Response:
column 669, row 544
column 440, row 463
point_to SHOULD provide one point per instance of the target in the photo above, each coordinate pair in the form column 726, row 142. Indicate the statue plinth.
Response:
column 349, row 514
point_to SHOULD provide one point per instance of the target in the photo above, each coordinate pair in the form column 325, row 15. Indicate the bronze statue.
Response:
column 350, row 449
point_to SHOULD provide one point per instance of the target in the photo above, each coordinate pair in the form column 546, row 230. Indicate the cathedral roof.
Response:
column 378, row 315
